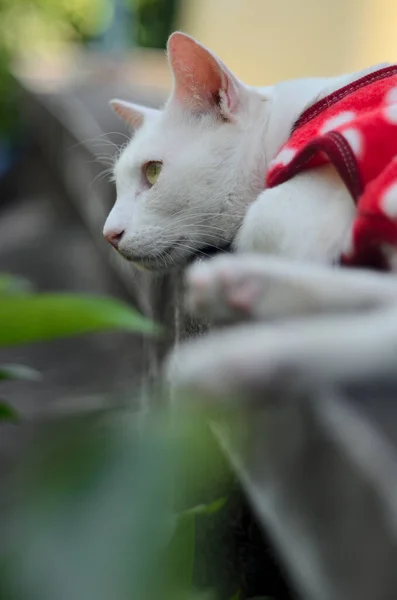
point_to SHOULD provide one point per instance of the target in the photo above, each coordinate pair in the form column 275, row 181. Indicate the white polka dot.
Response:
column 391, row 113
column 337, row 121
column 391, row 96
column 389, row 201
column 354, row 138
column 285, row 156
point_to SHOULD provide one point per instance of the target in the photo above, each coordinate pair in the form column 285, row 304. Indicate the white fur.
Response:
column 248, row 285
column 332, row 325
column 306, row 218
column 229, row 364
column 215, row 158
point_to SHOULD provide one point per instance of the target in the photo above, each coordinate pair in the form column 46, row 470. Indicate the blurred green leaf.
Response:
column 95, row 518
column 12, row 284
column 154, row 21
column 237, row 596
column 193, row 595
column 7, row 413
column 204, row 509
column 181, row 551
column 20, row 372
column 41, row 317
column 179, row 563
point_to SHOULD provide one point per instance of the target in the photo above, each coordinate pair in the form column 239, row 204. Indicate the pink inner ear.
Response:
column 132, row 114
column 201, row 81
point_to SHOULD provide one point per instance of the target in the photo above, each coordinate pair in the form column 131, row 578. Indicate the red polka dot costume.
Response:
column 354, row 128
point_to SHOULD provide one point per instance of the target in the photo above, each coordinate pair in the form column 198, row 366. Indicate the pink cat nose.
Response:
column 114, row 236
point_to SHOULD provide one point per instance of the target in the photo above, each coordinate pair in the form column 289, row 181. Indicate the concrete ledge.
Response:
column 321, row 477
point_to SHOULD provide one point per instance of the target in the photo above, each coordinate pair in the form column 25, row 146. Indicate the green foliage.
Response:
column 154, row 21
column 49, row 23
column 204, row 509
column 19, row 372
column 95, row 517
column 38, row 317
column 180, row 553
column 101, row 503
column 8, row 106
column 11, row 284
column 27, row 317
column 7, row 413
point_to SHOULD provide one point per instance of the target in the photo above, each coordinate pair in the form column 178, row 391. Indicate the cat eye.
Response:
column 152, row 171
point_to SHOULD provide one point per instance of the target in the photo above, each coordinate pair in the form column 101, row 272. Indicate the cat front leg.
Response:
column 253, row 286
column 247, row 362
column 305, row 218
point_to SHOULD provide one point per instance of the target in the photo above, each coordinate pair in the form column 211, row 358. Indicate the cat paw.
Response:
column 253, row 286
column 226, row 288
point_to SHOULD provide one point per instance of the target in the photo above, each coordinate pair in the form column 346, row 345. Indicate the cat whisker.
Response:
column 196, row 218
column 101, row 139
column 102, row 160
column 102, row 175
column 198, row 251
column 171, row 235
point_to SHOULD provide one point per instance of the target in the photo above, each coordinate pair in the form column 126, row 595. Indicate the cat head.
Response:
column 186, row 177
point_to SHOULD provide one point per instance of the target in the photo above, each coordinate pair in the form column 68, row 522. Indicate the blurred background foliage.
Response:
column 101, row 511
column 43, row 26
column 153, row 21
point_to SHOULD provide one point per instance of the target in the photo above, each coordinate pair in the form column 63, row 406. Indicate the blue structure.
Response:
column 119, row 35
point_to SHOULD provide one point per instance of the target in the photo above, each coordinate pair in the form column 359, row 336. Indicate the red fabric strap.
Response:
column 354, row 129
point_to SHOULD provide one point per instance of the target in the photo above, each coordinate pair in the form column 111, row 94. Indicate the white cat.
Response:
column 192, row 178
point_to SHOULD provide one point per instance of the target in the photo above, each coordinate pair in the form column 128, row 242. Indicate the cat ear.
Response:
column 201, row 81
column 133, row 114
